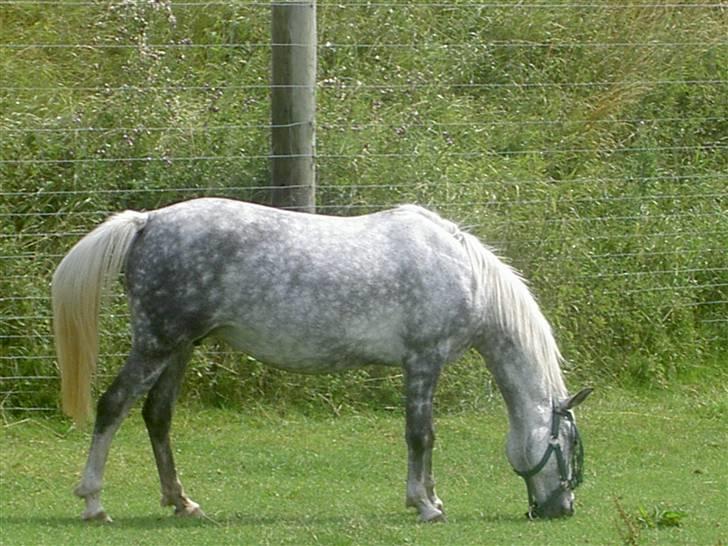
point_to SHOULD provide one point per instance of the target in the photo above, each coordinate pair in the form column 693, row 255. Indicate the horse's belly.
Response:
column 313, row 354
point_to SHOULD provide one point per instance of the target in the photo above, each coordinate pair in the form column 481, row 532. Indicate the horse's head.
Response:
column 554, row 462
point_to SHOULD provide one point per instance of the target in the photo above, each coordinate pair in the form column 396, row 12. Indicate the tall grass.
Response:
column 596, row 166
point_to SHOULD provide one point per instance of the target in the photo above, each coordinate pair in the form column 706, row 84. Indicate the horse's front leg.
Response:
column 421, row 379
column 430, row 481
column 157, row 413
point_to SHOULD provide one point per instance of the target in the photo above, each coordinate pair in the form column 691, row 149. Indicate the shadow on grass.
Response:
column 135, row 522
column 153, row 522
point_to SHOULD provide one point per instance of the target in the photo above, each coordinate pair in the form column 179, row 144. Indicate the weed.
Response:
column 659, row 517
column 630, row 533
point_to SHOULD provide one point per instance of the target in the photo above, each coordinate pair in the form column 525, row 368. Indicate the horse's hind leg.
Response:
column 157, row 412
column 135, row 378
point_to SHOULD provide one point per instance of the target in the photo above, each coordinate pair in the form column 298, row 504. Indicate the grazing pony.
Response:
column 310, row 293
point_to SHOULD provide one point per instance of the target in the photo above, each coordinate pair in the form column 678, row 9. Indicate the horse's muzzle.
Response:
column 559, row 505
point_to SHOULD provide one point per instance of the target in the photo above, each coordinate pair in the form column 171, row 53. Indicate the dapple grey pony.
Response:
column 310, row 293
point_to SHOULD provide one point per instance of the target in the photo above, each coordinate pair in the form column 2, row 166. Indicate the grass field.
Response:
column 655, row 475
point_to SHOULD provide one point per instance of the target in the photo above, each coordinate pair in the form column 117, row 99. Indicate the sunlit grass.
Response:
column 265, row 478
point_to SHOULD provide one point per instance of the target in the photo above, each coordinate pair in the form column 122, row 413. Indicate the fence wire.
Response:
column 656, row 226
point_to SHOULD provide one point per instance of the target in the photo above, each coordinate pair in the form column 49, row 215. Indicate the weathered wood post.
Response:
column 293, row 104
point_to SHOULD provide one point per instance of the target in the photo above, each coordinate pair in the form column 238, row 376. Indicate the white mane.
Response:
column 513, row 308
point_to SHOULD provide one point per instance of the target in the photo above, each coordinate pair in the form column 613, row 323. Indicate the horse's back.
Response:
column 298, row 290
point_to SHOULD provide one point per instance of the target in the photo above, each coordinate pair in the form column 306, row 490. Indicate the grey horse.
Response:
column 312, row 293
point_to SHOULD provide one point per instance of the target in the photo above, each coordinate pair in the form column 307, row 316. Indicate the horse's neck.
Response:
column 516, row 341
column 521, row 381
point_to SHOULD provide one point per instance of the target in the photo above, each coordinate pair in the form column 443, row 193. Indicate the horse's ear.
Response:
column 576, row 399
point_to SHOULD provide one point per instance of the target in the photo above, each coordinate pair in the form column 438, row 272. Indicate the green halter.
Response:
column 554, row 447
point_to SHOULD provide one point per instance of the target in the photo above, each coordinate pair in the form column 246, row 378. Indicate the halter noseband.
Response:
column 554, row 447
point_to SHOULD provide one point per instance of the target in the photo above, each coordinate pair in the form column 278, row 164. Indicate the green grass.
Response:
column 266, row 478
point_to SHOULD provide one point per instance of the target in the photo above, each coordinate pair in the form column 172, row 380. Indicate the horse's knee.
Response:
column 420, row 439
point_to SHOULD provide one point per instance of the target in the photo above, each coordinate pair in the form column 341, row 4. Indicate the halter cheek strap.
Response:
column 554, row 447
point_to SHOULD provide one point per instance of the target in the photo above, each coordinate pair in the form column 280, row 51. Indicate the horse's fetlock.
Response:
column 87, row 489
column 166, row 501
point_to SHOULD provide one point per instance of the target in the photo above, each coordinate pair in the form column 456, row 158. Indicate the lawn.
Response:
column 653, row 459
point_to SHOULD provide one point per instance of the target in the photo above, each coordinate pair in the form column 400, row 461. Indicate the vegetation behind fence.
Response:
column 586, row 142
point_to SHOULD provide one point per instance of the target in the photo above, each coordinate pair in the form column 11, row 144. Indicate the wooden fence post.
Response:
column 293, row 104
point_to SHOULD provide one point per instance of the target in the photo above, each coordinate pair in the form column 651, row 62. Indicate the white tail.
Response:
column 79, row 283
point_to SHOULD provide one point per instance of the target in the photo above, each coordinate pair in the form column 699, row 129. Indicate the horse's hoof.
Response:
column 433, row 516
column 191, row 510
column 101, row 517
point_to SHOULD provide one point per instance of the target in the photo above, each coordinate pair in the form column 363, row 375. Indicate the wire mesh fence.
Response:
column 586, row 141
